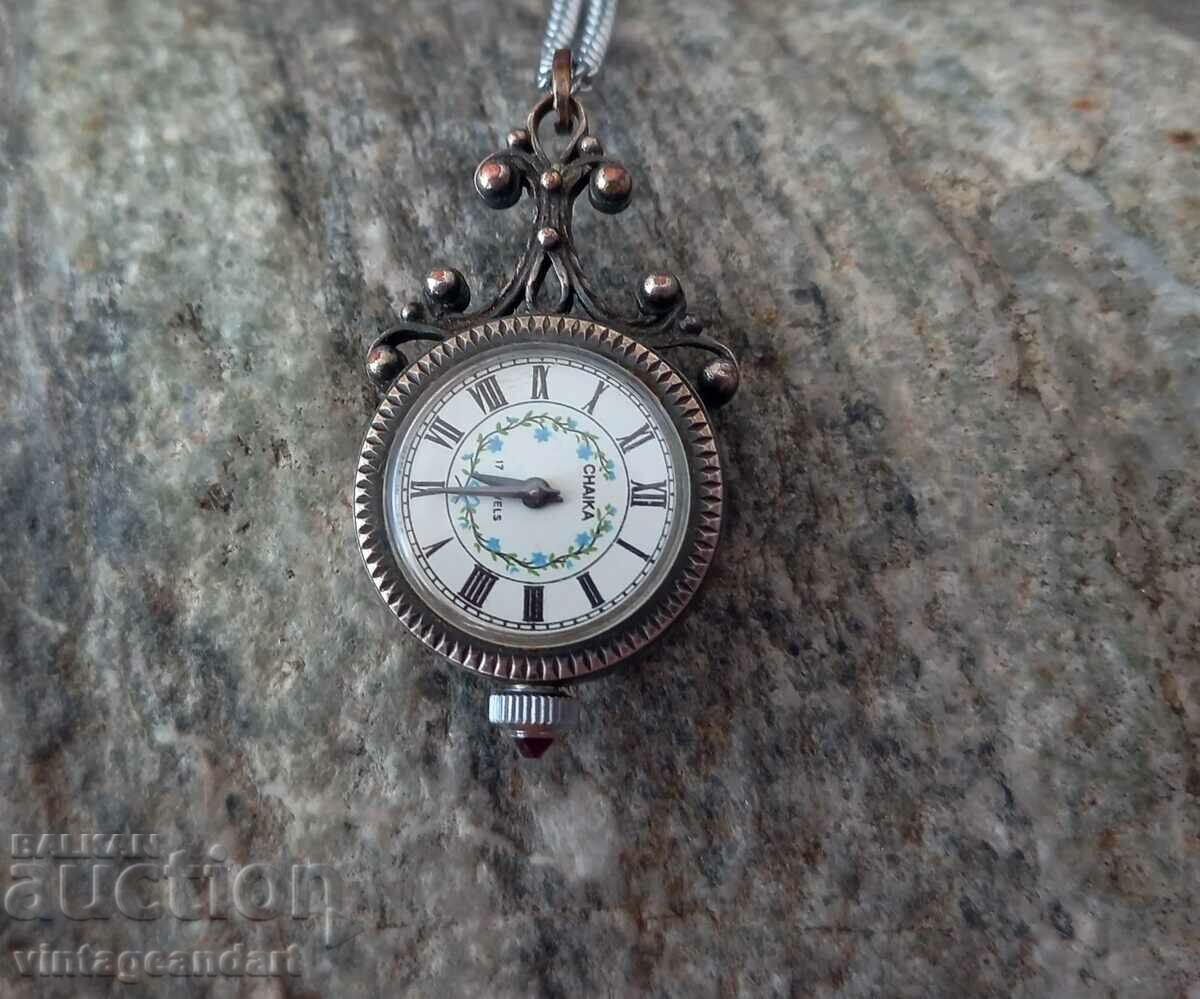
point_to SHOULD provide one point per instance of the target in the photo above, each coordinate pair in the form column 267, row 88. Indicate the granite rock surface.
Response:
column 934, row 729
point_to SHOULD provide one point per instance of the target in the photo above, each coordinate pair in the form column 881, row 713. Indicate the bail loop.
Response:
column 561, row 83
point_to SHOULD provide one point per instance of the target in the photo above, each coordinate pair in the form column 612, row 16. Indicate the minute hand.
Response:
column 533, row 492
column 499, row 492
column 500, row 480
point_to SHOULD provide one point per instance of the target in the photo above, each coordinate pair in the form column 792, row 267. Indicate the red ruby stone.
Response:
column 531, row 747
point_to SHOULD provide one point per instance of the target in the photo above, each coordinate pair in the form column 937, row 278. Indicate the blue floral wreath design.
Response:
column 544, row 427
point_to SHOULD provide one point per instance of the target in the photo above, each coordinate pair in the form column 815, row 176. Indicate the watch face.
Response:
column 538, row 498
column 542, row 573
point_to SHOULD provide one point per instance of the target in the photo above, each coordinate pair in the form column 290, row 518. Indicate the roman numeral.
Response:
column 487, row 395
column 636, row 439
column 647, row 493
column 630, row 548
column 435, row 547
column 441, row 432
column 533, row 602
column 590, row 408
column 589, row 589
column 541, row 390
column 478, row 585
column 416, row 488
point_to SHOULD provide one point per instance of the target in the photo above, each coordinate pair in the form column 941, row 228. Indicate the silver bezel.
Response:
column 623, row 638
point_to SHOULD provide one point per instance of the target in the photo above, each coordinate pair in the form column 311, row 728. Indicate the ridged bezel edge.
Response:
column 540, row 665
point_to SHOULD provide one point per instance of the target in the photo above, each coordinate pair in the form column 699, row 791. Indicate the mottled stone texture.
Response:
column 934, row 729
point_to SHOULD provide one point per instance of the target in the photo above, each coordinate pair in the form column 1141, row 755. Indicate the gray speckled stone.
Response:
column 934, row 732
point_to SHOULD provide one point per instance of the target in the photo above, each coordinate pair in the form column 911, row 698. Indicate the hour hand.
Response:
column 537, row 492
column 533, row 492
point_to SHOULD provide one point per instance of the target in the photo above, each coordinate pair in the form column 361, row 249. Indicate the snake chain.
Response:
column 588, row 42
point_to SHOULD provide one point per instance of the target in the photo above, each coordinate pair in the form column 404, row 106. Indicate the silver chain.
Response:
column 588, row 44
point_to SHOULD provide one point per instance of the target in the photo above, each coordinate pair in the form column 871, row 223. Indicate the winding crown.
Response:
column 534, row 718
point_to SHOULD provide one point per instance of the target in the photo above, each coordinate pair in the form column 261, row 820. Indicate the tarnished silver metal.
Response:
column 561, row 89
column 610, row 188
column 718, row 381
column 384, row 363
column 447, row 289
column 554, row 183
column 498, row 184
column 659, row 292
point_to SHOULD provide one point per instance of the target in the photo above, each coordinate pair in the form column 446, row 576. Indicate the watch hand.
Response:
column 498, row 480
column 494, row 491
column 533, row 492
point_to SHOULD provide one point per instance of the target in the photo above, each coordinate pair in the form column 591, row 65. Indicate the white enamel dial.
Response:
column 552, row 574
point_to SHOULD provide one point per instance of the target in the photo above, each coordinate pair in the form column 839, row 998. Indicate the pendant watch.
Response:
column 538, row 496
